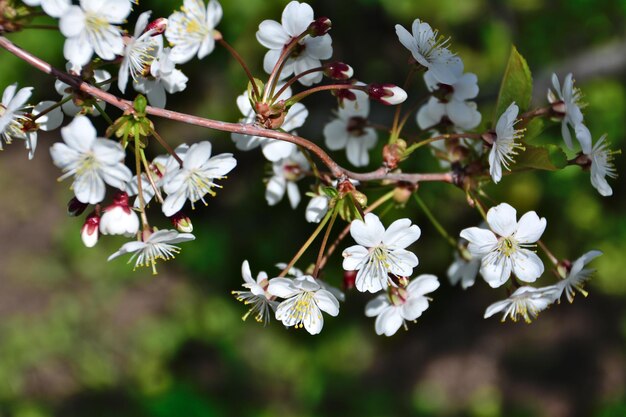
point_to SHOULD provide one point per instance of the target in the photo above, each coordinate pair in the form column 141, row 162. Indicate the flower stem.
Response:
column 278, row 67
column 547, row 251
column 52, row 107
column 330, row 87
column 146, row 166
column 434, row 221
column 142, row 203
column 395, row 127
column 320, row 255
column 167, row 147
column 102, row 113
column 293, row 80
column 239, row 59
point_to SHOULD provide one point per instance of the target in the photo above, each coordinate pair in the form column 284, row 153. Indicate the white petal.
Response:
column 282, row 287
column 78, row 50
column 174, row 203
column 374, row 307
column 530, row 228
column 72, row 23
column 353, row 256
column 496, row 274
column 502, row 219
column 272, row 35
column 482, row 241
column 327, row 302
column 368, row 233
column 275, row 190
column 297, row 17
column 79, row 134
column 401, row 234
column 527, row 266
column 197, row 155
column 389, row 321
column 423, row 284
column 293, row 194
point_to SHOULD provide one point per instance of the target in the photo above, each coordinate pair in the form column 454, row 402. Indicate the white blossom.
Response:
column 351, row 131
column 526, row 302
column 507, row 246
column 295, row 273
column 192, row 30
column 273, row 150
column 261, row 301
column 304, row 301
column 505, row 144
column 93, row 161
column 309, row 52
column 53, row 8
column 380, row 252
column 164, row 78
column 391, row 311
column 119, row 218
column 196, row 177
column 158, row 245
column 317, row 208
column 569, row 98
column 12, row 113
column 463, row 270
column 464, row 115
column 577, row 276
column 286, row 172
column 601, row 161
column 429, row 50
column 91, row 28
column 49, row 121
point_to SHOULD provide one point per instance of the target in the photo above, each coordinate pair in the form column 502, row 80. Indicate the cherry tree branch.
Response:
column 245, row 129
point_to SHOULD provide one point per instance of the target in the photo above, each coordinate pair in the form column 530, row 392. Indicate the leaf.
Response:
column 517, row 84
column 549, row 157
column 534, row 129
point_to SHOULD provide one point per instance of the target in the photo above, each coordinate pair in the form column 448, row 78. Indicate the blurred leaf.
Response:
column 517, row 84
column 549, row 157
column 534, row 129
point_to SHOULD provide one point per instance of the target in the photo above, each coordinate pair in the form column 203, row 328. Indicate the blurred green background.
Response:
column 83, row 337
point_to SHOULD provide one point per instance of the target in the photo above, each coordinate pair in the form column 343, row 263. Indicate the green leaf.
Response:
column 534, row 129
column 517, row 85
column 549, row 157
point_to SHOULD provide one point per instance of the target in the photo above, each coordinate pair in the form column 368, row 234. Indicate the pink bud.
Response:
column 182, row 223
column 75, row 207
column 344, row 94
column 119, row 218
column 319, row 26
column 157, row 26
column 89, row 232
column 338, row 71
column 389, row 94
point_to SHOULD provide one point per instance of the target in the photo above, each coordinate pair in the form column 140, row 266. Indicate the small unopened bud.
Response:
column 119, row 218
column 338, row 71
column 393, row 153
column 359, row 197
column 319, row 27
column 389, row 94
column 89, row 233
column 75, row 207
column 349, row 278
column 182, row 222
column 157, row 26
column 344, row 94
column 402, row 194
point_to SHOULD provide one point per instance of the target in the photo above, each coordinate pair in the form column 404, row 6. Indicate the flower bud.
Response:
column 344, row 94
column 157, row 26
column 75, row 208
column 182, row 222
column 349, row 278
column 89, row 232
column 119, row 218
column 393, row 153
column 319, row 27
column 389, row 94
column 401, row 195
column 338, row 71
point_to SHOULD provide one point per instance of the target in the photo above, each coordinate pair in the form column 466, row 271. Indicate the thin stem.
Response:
column 419, row 144
column 320, row 255
column 146, row 166
column 293, row 80
column 102, row 113
column 239, row 59
column 167, row 147
column 306, row 93
column 306, row 245
column 410, row 112
column 52, row 107
column 142, row 203
column 547, row 251
column 395, row 129
column 278, row 67
column 433, row 220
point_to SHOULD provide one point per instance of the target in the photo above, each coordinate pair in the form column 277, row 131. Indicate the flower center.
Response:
column 356, row 125
column 292, row 172
column 508, row 246
column 88, row 163
column 96, row 23
column 302, row 309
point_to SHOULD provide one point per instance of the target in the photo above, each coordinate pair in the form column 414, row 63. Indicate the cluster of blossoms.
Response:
column 502, row 250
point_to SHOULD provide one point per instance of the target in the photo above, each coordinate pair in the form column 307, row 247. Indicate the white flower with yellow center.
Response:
column 506, row 143
column 304, row 302
column 164, row 78
column 601, row 160
column 261, row 302
column 392, row 310
column 196, row 178
column 12, row 114
column 287, row 172
column 191, row 31
column 577, row 276
column 526, row 302
column 91, row 28
column 567, row 100
column 507, row 246
column 158, row 245
column 380, row 252
column 93, row 161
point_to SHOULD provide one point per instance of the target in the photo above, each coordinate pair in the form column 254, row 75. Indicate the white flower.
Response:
column 506, row 247
column 405, row 304
column 164, row 77
column 350, row 130
column 93, row 161
column 118, row 218
column 286, row 172
column 191, row 31
column 53, row 8
column 380, row 252
column 12, row 114
column 69, row 107
column 90, row 28
column 304, row 302
column 505, row 145
column 526, row 302
column 49, row 121
column 463, row 114
column 569, row 100
column 429, row 50
column 140, row 51
column 295, row 273
column 601, row 160
column 273, row 150
column 448, row 151
column 577, row 276
column 463, row 271
column 196, row 178
column 158, row 245
column 296, row 19
column 317, row 208
column 261, row 301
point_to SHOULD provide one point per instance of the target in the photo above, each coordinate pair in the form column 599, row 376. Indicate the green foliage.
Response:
column 516, row 86
column 547, row 157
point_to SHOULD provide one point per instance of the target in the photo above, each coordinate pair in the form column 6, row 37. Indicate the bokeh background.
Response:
column 80, row 336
